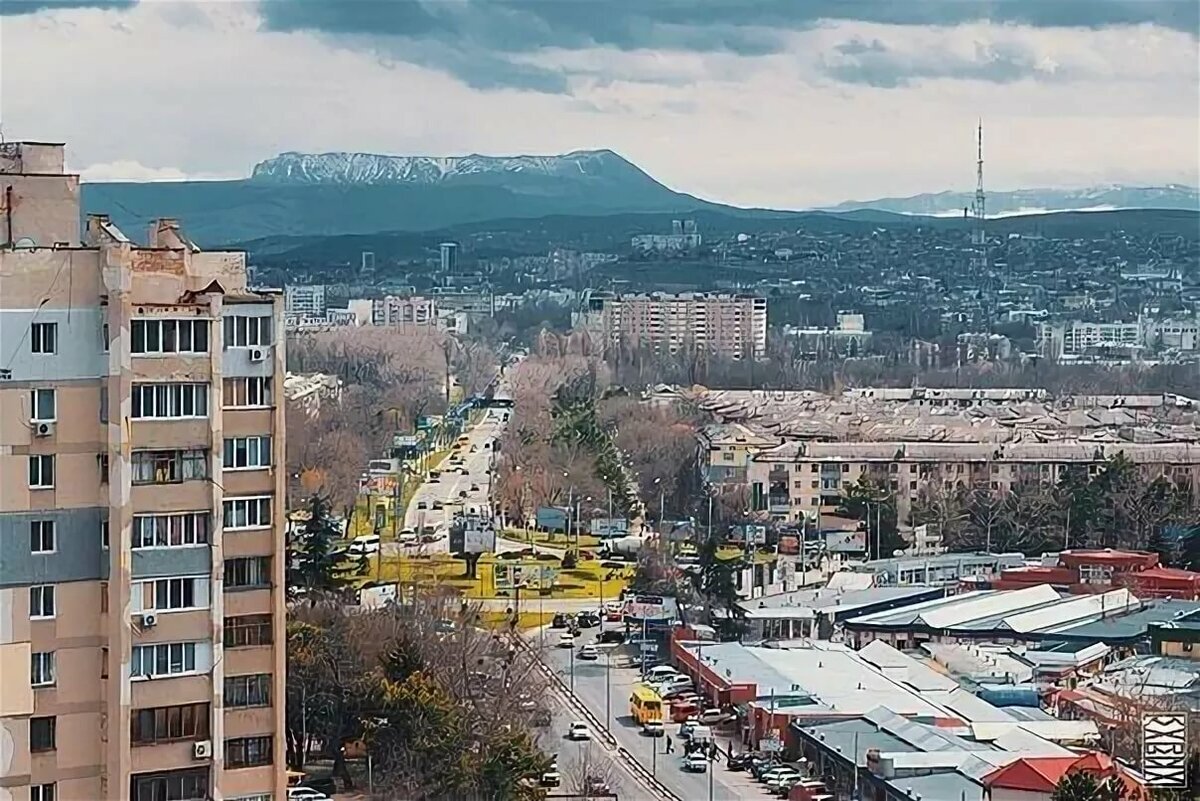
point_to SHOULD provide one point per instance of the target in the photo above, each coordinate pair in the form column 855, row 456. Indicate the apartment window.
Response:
column 44, row 338
column 41, row 471
column 104, row 337
column 168, row 594
column 845, row 468
column 42, row 536
column 177, row 530
column 41, row 601
column 163, row 659
column 41, row 669
column 247, row 332
column 41, row 734
column 169, row 336
column 104, row 533
column 727, row 456
column 248, row 630
column 44, row 403
column 102, row 466
column 247, row 572
column 242, row 513
column 816, row 468
column 42, row 792
column 169, row 401
column 164, row 724
column 103, row 403
column 175, row 786
column 169, row 467
column 104, row 597
column 247, row 453
column 242, row 393
column 249, row 752
column 243, row 691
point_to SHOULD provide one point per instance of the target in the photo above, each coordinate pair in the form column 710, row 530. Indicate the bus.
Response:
column 645, row 704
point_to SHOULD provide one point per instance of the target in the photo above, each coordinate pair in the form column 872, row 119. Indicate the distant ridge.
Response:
column 1035, row 201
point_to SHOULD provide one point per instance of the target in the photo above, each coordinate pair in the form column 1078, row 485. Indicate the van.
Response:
column 660, row 673
column 701, row 734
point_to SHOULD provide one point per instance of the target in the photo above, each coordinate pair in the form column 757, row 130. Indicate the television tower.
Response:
column 979, row 259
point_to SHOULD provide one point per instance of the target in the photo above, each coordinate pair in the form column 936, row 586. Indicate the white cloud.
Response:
column 127, row 170
column 203, row 89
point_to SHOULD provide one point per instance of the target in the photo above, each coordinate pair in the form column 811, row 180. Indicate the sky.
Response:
column 783, row 103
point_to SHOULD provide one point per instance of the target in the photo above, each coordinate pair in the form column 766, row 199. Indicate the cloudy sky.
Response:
column 786, row 103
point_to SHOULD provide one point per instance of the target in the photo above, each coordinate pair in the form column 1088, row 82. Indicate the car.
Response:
column 695, row 763
column 595, row 785
column 776, row 781
column 445, row 626
column 305, row 794
column 589, row 653
column 551, row 778
column 714, row 717
column 434, row 473
column 422, row 505
column 653, row 728
column 685, row 731
column 681, row 713
column 437, row 504
column 407, row 537
column 566, row 640
column 670, row 693
column 365, row 545
column 474, row 488
column 697, row 732
column 611, row 636
column 587, row 620
column 738, row 761
column 434, row 480
column 579, row 731
column 660, row 673
column 776, row 773
column 614, row 616
column 560, row 621
column 462, row 493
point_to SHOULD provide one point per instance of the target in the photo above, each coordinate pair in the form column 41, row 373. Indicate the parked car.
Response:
column 681, row 713
column 714, row 717
column 437, row 504
column 739, row 761
column 589, row 653
column 407, row 537
column 660, row 673
column 566, row 640
column 612, row 635
column 777, row 773
column 579, row 731
column 305, row 794
column 695, row 763
column 587, row 620
column 551, row 778
column 365, row 545
column 653, row 728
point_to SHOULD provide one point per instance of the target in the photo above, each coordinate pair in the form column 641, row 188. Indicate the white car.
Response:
column 653, row 728
column 589, row 652
column 407, row 537
column 714, row 717
column 660, row 673
column 695, row 763
column 364, row 545
column 305, row 794
column 566, row 640
column 579, row 731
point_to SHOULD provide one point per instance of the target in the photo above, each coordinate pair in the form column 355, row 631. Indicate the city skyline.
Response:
column 769, row 105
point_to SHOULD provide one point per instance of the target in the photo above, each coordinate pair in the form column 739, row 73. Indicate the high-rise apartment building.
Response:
column 718, row 324
column 141, row 558
column 449, row 255
column 305, row 300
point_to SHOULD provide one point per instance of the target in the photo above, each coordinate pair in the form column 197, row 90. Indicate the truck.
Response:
column 622, row 547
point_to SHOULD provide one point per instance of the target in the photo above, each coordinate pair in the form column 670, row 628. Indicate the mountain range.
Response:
column 340, row 193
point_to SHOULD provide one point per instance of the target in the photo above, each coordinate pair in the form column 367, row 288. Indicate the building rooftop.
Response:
column 810, row 603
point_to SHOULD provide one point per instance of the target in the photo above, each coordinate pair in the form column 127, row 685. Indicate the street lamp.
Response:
column 662, row 500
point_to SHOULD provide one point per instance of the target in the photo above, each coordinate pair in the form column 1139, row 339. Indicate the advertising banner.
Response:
column 1165, row 749
column 472, row 535
column 552, row 518
column 606, row 527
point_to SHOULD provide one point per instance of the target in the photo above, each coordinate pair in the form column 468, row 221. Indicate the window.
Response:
column 41, row 471
column 104, row 533
column 247, row 630
column 248, row 571
column 41, row 669
column 189, row 785
column 104, row 402
column 102, row 466
column 164, row 659
column 41, row 734
column 41, row 536
column 241, row 691
column 164, row 724
column 42, row 792
column 164, row 595
column 41, row 601
column 44, row 337
column 44, row 404
column 176, row 530
column 169, row 336
column 247, row 453
column 247, row 332
column 240, row 393
column 169, row 401
column 168, row 467
column 727, row 456
column 104, row 337
column 104, row 597
column 246, row 513
column 249, row 752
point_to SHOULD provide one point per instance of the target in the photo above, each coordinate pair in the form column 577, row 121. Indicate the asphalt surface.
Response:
column 611, row 704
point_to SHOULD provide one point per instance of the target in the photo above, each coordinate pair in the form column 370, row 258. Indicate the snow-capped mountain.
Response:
column 370, row 168
column 1029, row 201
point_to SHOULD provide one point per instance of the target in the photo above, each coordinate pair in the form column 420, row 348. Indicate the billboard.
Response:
column 428, row 422
column 552, row 518
column 609, row 527
column 1165, row 749
column 533, row 576
column 405, row 441
column 645, row 606
column 378, row 485
column 472, row 535
column 750, row 533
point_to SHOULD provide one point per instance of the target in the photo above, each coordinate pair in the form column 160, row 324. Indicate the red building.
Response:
column 1095, row 571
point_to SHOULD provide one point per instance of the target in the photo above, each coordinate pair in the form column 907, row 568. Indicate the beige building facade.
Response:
column 141, row 551
column 718, row 324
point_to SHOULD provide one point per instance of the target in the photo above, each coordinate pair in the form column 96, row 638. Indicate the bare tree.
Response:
column 590, row 773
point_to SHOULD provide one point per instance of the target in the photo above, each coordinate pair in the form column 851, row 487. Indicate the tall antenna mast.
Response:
column 979, row 259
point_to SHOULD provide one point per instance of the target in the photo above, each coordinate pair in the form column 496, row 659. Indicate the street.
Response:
column 610, row 704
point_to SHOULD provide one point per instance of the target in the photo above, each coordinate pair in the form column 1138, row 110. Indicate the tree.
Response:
column 1080, row 785
column 869, row 501
column 656, row 572
column 589, row 773
column 314, row 564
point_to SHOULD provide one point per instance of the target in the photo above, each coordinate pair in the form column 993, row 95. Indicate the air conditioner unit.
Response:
column 202, row 749
column 41, row 428
column 149, row 620
column 258, row 354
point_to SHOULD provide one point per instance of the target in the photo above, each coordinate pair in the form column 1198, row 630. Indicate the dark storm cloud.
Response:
column 14, row 7
column 875, row 64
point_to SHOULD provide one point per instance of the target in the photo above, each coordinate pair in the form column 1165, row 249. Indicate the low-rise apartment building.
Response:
column 716, row 324
column 141, row 567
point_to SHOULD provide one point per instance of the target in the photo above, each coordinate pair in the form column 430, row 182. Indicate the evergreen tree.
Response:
column 870, row 502
column 1079, row 785
column 315, row 564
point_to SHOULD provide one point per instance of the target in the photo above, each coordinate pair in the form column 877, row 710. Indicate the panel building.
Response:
column 141, row 561
column 717, row 324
